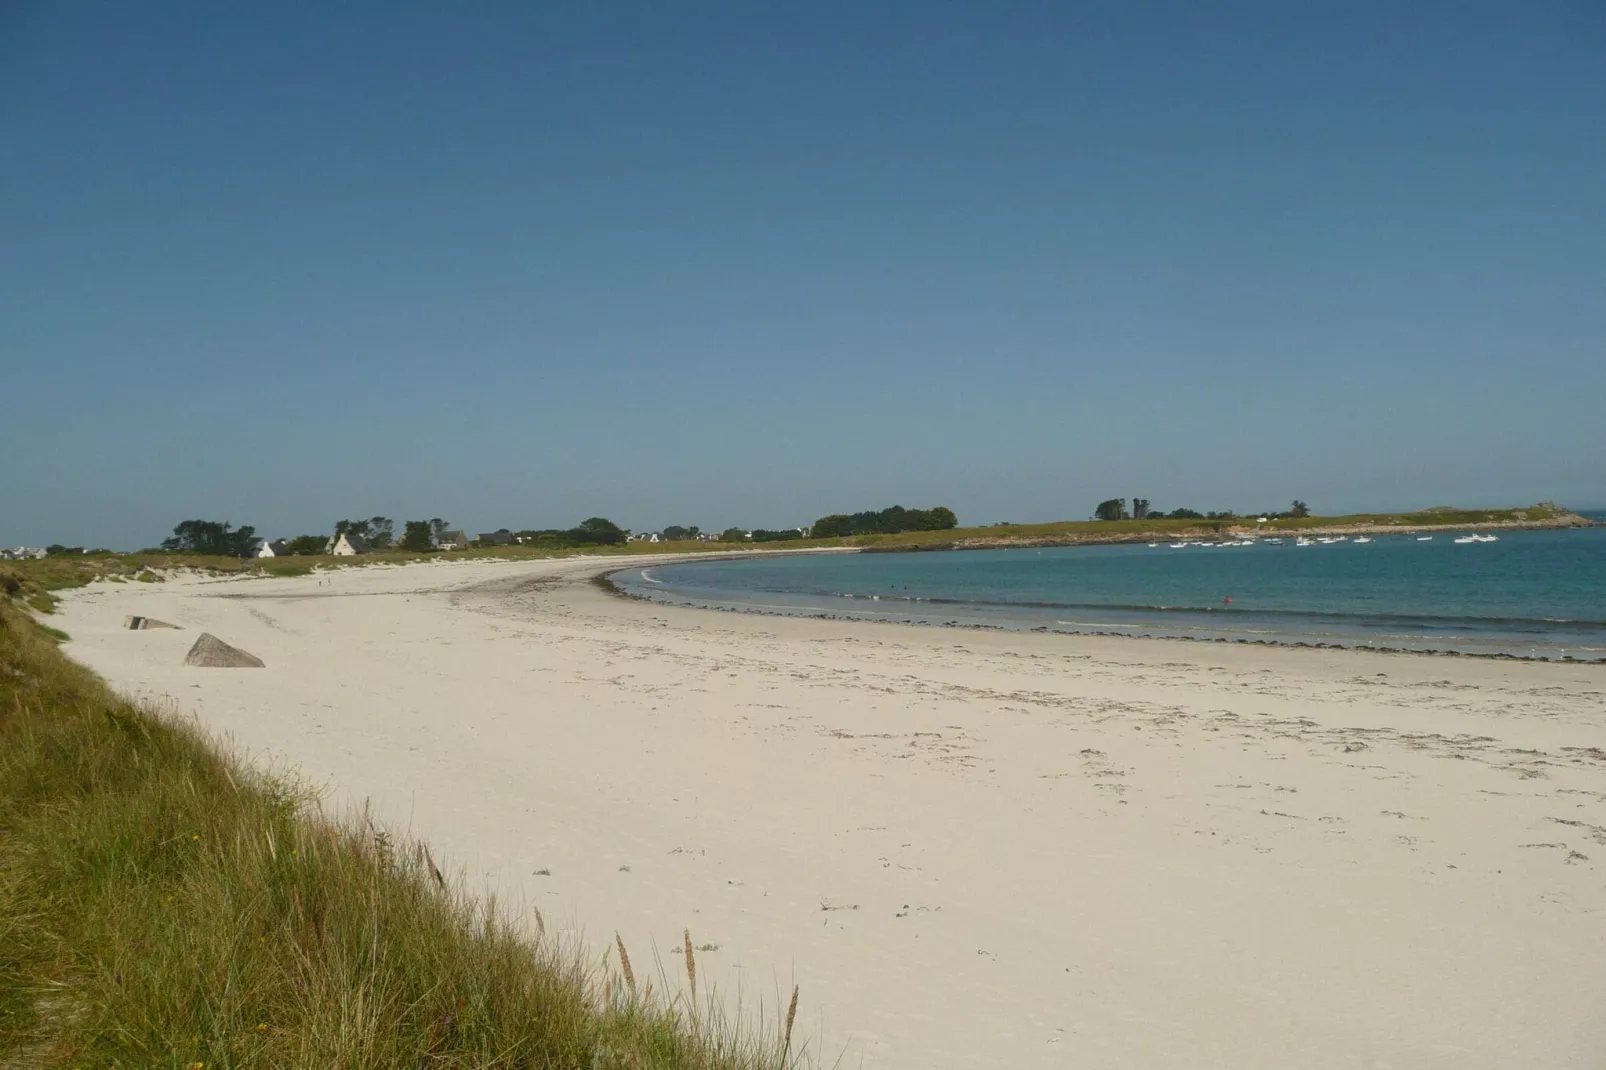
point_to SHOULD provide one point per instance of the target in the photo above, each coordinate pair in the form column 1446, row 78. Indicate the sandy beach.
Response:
column 968, row 848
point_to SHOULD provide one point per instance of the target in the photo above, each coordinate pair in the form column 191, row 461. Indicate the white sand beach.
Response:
column 968, row 848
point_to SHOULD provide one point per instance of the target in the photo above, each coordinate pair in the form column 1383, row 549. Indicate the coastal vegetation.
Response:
column 163, row 905
column 378, row 532
column 211, row 537
column 781, row 535
column 593, row 531
column 893, row 520
column 416, row 537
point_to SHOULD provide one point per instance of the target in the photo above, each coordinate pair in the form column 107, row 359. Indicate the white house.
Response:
column 346, row 545
column 273, row 548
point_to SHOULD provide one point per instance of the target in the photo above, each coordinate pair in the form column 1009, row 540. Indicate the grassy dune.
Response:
column 161, row 905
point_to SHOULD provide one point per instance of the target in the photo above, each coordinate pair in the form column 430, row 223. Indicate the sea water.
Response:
column 1532, row 594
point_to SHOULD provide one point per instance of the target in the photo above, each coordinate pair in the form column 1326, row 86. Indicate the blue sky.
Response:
column 519, row 264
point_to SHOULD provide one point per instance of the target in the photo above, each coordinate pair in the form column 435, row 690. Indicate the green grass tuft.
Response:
column 163, row 906
column 42, row 601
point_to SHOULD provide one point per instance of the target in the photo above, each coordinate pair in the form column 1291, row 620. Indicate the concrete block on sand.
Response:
column 211, row 652
column 139, row 624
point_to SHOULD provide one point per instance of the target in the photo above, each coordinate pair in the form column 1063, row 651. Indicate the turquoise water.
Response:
column 1538, row 594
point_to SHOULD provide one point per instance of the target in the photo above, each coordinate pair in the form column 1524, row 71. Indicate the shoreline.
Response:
column 604, row 580
column 980, row 848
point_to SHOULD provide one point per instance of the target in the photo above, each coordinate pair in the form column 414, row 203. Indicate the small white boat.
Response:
column 1152, row 545
column 1179, row 546
column 1303, row 542
column 1463, row 540
column 1424, row 538
column 1487, row 538
column 1362, row 539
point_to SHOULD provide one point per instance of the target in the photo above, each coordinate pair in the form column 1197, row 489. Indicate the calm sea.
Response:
column 1539, row 594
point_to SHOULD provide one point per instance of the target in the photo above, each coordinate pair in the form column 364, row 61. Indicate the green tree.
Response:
column 211, row 537
column 437, row 530
column 733, row 535
column 417, row 536
column 1299, row 509
column 676, row 533
column 1114, row 509
column 835, row 526
column 597, row 531
column 1185, row 514
column 306, row 545
column 888, row 521
column 1140, row 508
column 381, row 532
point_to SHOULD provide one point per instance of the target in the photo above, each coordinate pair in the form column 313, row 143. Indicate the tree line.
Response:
column 890, row 521
column 593, row 531
column 219, row 538
column 1116, row 509
column 212, row 537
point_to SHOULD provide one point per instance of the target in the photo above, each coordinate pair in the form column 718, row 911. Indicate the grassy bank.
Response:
column 161, row 905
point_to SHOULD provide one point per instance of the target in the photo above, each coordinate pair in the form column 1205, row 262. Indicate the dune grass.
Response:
column 161, row 905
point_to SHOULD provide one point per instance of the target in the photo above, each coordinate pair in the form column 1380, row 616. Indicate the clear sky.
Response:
column 516, row 264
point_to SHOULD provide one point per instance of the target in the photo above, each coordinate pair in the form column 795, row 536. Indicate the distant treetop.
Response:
column 889, row 521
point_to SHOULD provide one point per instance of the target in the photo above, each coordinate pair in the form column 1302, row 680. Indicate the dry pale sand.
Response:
column 968, row 848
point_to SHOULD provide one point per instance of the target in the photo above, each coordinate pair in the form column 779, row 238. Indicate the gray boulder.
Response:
column 213, row 653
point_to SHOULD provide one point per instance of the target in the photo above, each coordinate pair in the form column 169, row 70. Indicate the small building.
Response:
column 347, row 545
column 273, row 548
column 452, row 540
column 500, row 537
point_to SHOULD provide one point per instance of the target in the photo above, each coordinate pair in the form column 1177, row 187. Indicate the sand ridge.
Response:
column 969, row 848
